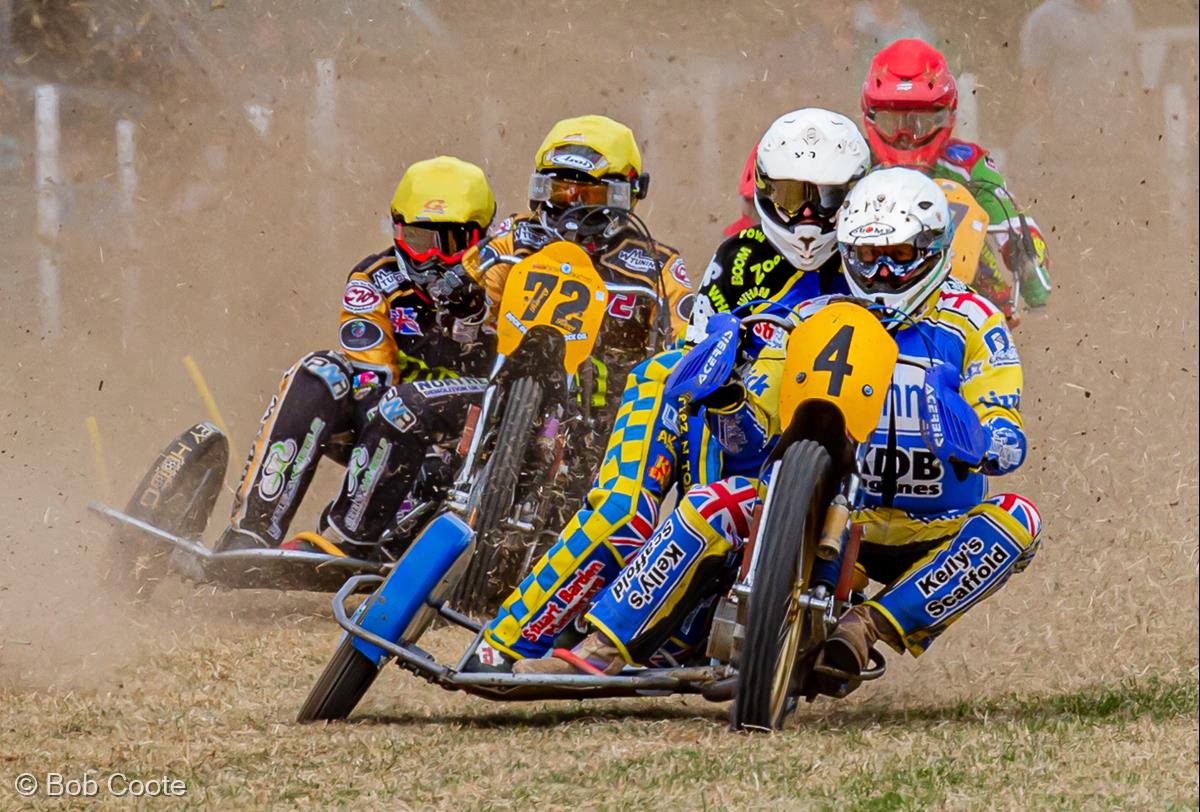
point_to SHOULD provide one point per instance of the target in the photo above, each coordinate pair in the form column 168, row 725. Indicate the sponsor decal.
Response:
column 757, row 382
column 393, row 410
column 435, row 206
column 360, row 297
column 973, row 370
column 575, row 156
column 362, row 491
column 999, row 344
column 960, row 152
column 404, row 321
column 965, row 575
column 526, row 236
column 273, row 477
column 385, row 280
column 918, row 472
column 432, row 388
column 683, row 308
column 360, row 334
column 621, row 305
column 636, row 259
column 737, row 274
column 771, row 335
column 670, row 418
column 330, row 373
column 712, row 273
column 646, row 574
column 1011, row 400
column 872, row 230
column 904, row 87
column 660, row 472
column 679, row 272
column 165, row 473
column 566, row 602
column 303, row 458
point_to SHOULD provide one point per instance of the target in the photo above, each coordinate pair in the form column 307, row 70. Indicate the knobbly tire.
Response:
column 493, row 496
column 346, row 679
column 774, row 629
column 177, row 494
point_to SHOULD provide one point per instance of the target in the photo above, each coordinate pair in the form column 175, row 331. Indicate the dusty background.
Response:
column 235, row 250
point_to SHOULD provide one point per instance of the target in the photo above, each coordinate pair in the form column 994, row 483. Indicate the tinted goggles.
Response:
column 885, row 268
column 919, row 125
column 793, row 196
column 422, row 242
column 566, row 193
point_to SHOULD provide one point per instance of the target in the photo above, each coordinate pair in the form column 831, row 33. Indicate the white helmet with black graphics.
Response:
column 894, row 232
column 806, row 163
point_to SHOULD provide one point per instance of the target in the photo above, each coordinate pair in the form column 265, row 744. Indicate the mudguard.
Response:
column 392, row 608
column 949, row 426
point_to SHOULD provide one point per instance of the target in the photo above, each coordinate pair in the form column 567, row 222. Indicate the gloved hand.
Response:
column 456, row 293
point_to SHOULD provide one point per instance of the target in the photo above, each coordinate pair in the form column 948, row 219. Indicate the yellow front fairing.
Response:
column 842, row 355
column 970, row 230
column 556, row 287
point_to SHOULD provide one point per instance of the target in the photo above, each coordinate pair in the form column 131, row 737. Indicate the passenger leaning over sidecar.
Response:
column 807, row 161
column 408, row 366
column 931, row 531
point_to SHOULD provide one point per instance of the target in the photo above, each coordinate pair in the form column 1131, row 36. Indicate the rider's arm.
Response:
column 1004, row 221
column 743, row 415
column 677, row 286
column 991, row 383
column 487, row 264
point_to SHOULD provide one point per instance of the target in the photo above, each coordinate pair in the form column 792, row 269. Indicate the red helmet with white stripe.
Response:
column 908, row 103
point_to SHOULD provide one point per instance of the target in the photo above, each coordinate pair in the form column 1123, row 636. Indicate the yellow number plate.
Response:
column 556, row 287
column 843, row 355
column 970, row 230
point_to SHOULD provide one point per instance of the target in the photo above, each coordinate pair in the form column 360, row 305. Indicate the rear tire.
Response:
column 493, row 495
column 774, row 630
column 177, row 494
column 346, row 679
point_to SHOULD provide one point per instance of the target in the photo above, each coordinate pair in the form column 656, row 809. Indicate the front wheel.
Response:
column 494, row 492
column 341, row 686
column 775, row 630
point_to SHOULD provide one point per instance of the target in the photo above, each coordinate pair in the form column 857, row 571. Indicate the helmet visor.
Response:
column 791, row 197
column 888, row 268
column 918, row 125
column 566, row 193
column 447, row 242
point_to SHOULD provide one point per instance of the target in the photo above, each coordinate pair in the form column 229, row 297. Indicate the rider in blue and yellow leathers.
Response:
column 932, row 534
column 790, row 258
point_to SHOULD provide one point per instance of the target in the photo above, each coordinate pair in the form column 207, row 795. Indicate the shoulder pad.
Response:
column 959, row 299
column 373, row 261
column 962, row 153
column 632, row 257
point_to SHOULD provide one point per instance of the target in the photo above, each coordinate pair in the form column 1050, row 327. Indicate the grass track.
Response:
column 216, row 711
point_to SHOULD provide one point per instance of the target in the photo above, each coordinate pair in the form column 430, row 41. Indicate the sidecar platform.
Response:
column 247, row 569
column 631, row 682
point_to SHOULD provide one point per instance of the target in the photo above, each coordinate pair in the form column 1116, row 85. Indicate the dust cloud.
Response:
column 266, row 139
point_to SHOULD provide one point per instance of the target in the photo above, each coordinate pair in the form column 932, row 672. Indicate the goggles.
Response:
column 919, row 125
column 792, row 196
column 888, row 268
column 565, row 193
column 422, row 242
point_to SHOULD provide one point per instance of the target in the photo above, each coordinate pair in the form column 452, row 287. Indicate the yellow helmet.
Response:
column 594, row 145
column 444, row 190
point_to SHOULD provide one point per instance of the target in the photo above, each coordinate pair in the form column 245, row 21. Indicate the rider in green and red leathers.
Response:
column 909, row 101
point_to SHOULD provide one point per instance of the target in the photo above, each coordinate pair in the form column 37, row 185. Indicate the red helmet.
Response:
column 908, row 104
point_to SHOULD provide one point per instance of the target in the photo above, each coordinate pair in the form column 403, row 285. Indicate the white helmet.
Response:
column 806, row 163
column 894, row 232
